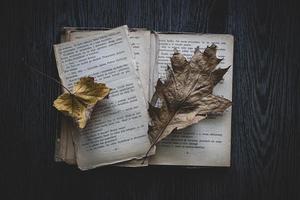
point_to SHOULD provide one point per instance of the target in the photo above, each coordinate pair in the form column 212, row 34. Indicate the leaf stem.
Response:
column 47, row 76
column 157, row 138
column 170, row 119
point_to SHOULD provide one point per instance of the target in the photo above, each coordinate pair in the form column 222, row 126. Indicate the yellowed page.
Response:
column 140, row 43
column 208, row 142
column 118, row 127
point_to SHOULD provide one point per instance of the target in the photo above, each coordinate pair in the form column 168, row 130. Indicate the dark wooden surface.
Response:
column 265, row 126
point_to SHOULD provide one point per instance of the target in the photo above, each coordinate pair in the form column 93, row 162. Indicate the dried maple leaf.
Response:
column 185, row 97
column 80, row 103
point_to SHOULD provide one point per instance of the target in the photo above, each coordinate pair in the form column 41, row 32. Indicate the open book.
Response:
column 130, row 61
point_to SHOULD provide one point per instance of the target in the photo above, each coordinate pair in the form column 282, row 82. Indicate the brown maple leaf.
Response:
column 185, row 97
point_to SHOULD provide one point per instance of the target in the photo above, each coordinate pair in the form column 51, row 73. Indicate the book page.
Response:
column 208, row 142
column 117, row 130
column 140, row 43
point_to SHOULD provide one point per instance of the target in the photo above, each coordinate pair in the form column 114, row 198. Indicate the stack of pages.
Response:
column 129, row 61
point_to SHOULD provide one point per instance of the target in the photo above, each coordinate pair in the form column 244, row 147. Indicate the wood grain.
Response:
column 265, row 126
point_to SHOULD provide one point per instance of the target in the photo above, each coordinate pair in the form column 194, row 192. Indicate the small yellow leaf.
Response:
column 80, row 103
